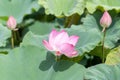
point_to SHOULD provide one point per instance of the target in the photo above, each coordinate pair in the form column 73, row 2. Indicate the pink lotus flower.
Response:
column 11, row 23
column 105, row 20
column 61, row 43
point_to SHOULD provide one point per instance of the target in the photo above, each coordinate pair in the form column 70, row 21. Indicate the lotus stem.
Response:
column 103, row 55
column 12, row 39
column 58, row 58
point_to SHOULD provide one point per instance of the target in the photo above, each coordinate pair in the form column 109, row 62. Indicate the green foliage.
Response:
column 92, row 5
column 97, row 51
column 32, row 39
column 63, row 7
column 30, row 60
column 5, row 33
column 112, row 33
column 103, row 72
column 85, row 44
column 17, row 8
column 41, row 28
column 34, row 63
column 113, row 57
column 89, row 38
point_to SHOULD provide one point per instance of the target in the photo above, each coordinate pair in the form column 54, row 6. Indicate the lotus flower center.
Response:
column 58, row 53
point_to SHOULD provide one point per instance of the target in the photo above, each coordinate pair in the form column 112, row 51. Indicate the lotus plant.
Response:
column 105, row 22
column 11, row 24
column 61, row 43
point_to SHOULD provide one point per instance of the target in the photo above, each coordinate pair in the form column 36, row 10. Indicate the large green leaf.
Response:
column 113, row 34
column 103, row 72
column 113, row 57
column 17, row 8
column 89, row 38
column 32, row 39
column 5, row 33
column 92, row 5
column 63, row 7
column 33, row 63
column 41, row 28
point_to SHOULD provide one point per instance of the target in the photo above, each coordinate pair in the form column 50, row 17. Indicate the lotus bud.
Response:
column 11, row 23
column 105, row 20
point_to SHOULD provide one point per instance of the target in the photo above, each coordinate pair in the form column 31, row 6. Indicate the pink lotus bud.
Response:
column 61, row 43
column 106, row 20
column 11, row 23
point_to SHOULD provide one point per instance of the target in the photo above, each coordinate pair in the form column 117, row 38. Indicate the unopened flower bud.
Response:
column 105, row 20
column 11, row 23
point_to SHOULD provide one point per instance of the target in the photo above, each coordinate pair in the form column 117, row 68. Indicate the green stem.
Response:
column 103, row 41
column 57, row 58
column 12, row 39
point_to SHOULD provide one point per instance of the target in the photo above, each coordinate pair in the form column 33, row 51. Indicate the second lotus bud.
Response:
column 105, row 20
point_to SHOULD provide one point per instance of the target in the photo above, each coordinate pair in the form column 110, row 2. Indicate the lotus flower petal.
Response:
column 52, row 36
column 47, row 45
column 61, row 38
column 73, row 40
column 68, row 50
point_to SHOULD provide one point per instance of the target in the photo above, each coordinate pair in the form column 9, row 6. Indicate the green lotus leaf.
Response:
column 112, row 34
column 63, row 7
column 113, row 57
column 89, row 38
column 41, row 28
column 34, row 63
column 103, row 72
column 5, row 33
column 17, row 8
column 92, row 5
column 32, row 39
